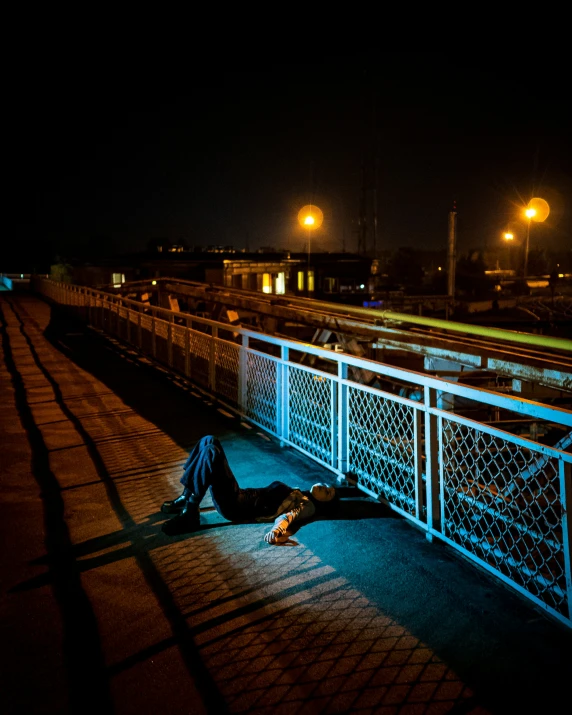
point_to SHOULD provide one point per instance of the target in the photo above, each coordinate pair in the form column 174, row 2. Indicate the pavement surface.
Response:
column 100, row 612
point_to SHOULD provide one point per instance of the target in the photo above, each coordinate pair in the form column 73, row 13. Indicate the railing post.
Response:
column 212, row 358
column 128, row 318
column 431, row 462
column 418, row 462
column 283, row 396
column 139, row 329
column 565, row 473
column 188, row 348
column 170, row 341
column 343, row 426
column 243, row 375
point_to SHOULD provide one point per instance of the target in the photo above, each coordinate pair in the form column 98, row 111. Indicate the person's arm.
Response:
column 281, row 530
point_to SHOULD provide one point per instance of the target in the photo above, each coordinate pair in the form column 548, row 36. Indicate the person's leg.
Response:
column 196, row 478
column 206, row 467
column 225, row 491
column 209, row 467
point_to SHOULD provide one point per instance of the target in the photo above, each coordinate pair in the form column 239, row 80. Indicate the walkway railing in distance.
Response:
column 500, row 497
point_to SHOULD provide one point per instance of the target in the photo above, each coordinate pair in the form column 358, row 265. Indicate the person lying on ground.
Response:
column 207, row 467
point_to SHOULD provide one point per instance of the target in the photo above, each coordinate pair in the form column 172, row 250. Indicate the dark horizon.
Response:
column 227, row 157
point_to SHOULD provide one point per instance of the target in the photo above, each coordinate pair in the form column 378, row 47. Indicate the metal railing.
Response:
column 501, row 497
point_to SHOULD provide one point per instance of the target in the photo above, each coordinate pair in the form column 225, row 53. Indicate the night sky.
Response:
column 110, row 156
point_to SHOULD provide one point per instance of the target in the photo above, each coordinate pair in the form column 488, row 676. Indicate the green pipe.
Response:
column 542, row 341
column 529, row 339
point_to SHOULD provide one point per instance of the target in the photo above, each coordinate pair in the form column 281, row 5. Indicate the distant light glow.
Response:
column 310, row 216
column 529, row 213
column 541, row 209
column 153, row 283
column 509, row 236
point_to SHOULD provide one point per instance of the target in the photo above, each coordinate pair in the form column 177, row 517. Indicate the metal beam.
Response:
column 487, row 351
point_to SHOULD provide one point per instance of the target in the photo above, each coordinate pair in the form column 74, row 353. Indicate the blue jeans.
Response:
column 207, row 468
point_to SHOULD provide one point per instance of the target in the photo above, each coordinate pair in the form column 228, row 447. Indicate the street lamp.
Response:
column 310, row 217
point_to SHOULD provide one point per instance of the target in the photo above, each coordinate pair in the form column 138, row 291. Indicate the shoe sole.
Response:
column 171, row 510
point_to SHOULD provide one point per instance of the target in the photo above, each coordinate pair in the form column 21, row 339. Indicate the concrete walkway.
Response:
column 100, row 612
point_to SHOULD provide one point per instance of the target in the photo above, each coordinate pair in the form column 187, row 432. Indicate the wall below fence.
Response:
column 499, row 498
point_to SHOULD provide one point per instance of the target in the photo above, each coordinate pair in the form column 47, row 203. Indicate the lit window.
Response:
column 117, row 279
column 267, row 283
column 300, row 280
column 280, row 284
column 310, row 281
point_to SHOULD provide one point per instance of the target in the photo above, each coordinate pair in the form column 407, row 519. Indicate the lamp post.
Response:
column 537, row 210
column 310, row 217
column 309, row 222
column 529, row 213
column 509, row 238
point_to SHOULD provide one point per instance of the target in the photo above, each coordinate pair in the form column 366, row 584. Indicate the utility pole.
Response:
column 452, row 251
column 375, row 180
column 362, row 221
